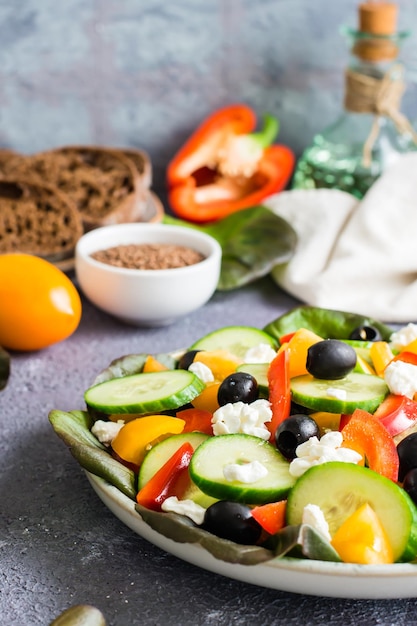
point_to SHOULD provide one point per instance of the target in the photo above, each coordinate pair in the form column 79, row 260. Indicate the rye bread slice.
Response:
column 102, row 182
column 142, row 163
column 37, row 219
column 143, row 168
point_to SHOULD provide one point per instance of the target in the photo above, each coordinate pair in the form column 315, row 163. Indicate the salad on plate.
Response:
column 296, row 440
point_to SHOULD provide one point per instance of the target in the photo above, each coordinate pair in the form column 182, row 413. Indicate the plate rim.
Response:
column 302, row 576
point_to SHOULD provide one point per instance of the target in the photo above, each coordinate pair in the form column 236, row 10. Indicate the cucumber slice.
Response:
column 362, row 349
column 235, row 339
column 339, row 489
column 208, row 461
column 159, row 455
column 362, row 391
column 151, row 392
column 260, row 372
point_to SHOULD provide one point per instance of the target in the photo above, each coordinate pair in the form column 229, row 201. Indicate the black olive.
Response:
column 298, row 409
column 293, row 431
column 330, row 359
column 238, row 387
column 233, row 521
column 365, row 333
column 186, row 359
column 407, row 453
column 410, row 484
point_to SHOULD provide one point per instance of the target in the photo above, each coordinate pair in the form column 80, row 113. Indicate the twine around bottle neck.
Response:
column 381, row 97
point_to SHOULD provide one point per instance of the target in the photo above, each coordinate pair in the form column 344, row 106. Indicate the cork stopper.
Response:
column 379, row 19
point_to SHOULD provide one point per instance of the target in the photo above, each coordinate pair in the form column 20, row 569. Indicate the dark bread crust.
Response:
column 107, row 185
column 37, row 219
column 142, row 163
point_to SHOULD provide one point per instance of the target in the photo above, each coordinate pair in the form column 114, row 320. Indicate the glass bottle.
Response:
column 370, row 134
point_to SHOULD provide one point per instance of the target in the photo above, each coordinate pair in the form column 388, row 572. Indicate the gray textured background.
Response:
column 144, row 73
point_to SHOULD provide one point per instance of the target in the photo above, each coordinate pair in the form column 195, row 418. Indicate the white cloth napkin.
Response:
column 358, row 256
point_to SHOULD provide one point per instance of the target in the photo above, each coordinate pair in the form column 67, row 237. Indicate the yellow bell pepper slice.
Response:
column 326, row 421
column 297, row 347
column 153, row 365
column 410, row 347
column 131, row 442
column 381, row 354
column 207, row 399
column 221, row 362
column 362, row 539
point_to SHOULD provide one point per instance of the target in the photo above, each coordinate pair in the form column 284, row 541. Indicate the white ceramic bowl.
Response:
column 147, row 297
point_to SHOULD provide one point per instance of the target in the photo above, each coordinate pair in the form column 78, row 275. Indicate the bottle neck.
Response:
column 373, row 55
column 374, row 79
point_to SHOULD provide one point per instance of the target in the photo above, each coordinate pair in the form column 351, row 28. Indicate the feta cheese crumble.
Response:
column 333, row 392
column 314, row 516
column 239, row 417
column 401, row 378
column 189, row 508
column 244, row 472
column 403, row 336
column 262, row 353
column 106, row 431
column 315, row 451
column 202, row 371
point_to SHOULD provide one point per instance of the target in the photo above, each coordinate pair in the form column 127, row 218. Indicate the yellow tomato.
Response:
column 39, row 304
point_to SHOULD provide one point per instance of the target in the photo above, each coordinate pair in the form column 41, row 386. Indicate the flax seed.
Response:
column 153, row 256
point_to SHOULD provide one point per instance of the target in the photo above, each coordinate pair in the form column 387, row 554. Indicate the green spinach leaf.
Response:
column 253, row 241
column 326, row 323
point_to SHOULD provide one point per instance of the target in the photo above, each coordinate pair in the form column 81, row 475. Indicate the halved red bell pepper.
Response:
column 198, row 188
column 162, row 484
column 397, row 413
column 365, row 434
column 279, row 390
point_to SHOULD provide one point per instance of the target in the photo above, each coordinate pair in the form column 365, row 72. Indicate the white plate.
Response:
column 318, row 578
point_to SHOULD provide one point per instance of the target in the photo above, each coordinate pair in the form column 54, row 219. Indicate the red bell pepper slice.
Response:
column 198, row 193
column 196, row 420
column 279, row 390
column 397, row 413
column 286, row 338
column 365, row 434
column 271, row 516
column 162, row 485
column 344, row 419
column 407, row 357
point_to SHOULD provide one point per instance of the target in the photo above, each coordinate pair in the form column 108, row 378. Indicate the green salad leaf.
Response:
column 74, row 429
column 324, row 322
column 4, row 368
column 183, row 530
column 253, row 241
column 302, row 541
column 131, row 364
